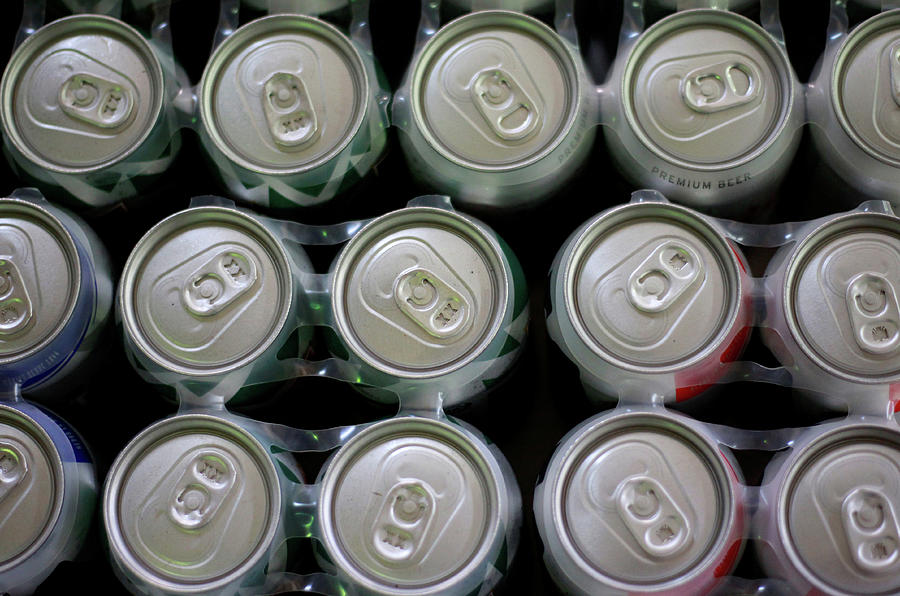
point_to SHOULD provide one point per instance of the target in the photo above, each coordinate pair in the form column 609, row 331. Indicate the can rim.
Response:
column 27, row 424
column 853, row 40
column 577, row 446
column 248, row 224
column 458, row 438
column 182, row 424
column 814, row 239
column 56, row 228
column 568, row 59
column 727, row 19
column 603, row 222
column 472, row 231
column 31, row 44
column 261, row 26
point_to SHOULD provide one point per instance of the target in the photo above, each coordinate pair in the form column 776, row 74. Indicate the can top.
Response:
column 641, row 499
column 40, row 278
column 410, row 503
column 865, row 86
column 652, row 286
column 495, row 90
column 206, row 291
column 840, row 509
column 841, row 297
column 707, row 89
column 193, row 499
column 284, row 94
column 81, row 93
column 31, row 487
column 420, row 292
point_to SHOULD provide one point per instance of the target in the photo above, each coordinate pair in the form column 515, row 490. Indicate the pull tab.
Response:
column 289, row 111
column 894, row 57
column 202, row 488
column 15, row 305
column 721, row 86
column 508, row 110
column 405, row 515
column 13, row 467
column 874, row 313
column 96, row 101
column 652, row 517
column 432, row 303
column 871, row 529
column 663, row 276
column 219, row 282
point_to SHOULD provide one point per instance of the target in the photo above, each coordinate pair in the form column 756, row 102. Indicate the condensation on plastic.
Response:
column 157, row 152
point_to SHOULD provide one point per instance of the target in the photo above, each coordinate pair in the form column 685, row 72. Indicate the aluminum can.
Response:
column 649, row 298
column 56, row 294
column 196, row 505
column 428, row 301
column 854, row 108
column 209, row 291
column 501, row 110
column 832, row 307
column 47, row 495
column 640, row 501
column 705, row 107
column 288, row 112
column 86, row 111
column 418, row 506
column 833, row 500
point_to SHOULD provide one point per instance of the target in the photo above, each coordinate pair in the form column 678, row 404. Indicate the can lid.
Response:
column 420, row 292
column 409, row 503
column 866, row 86
column 206, row 290
column 841, row 296
column 708, row 89
column 81, row 93
column 652, row 286
column 193, row 499
column 284, row 94
column 31, row 487
column 40, row 278
column 841, row 509
column 642, row 500
column 495, row 90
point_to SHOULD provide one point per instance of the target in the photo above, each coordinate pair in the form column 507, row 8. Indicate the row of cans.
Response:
column 497, row 108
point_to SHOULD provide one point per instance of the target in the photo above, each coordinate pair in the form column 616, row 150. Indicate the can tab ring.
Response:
column 721, row 86
column 289, row 111
column 651, row 515
column 663, row 276
column 15, row 304
column 13, row 466
column 871, row 529
column 219, row 282
column 208, row 478
column 894, row 57
column 431, row 303
column 510, row 112
column 97, row 101
column 874, row 313
column 405, row 516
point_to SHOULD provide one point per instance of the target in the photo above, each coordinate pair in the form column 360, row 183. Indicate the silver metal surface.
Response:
column 80, row 94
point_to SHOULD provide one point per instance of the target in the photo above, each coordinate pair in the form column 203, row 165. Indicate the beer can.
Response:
column 832, row 523
column 47, row 495
column 705, row 107
column 86, row 111
column 833, row 313
column 649, row 298
column 500, row 113
column 196, row 505
column 288, row 111
column 56, row 294
column 418, row 506
column 854, row 108
column 640, row 501
column 209, row 291
column 428, row 301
